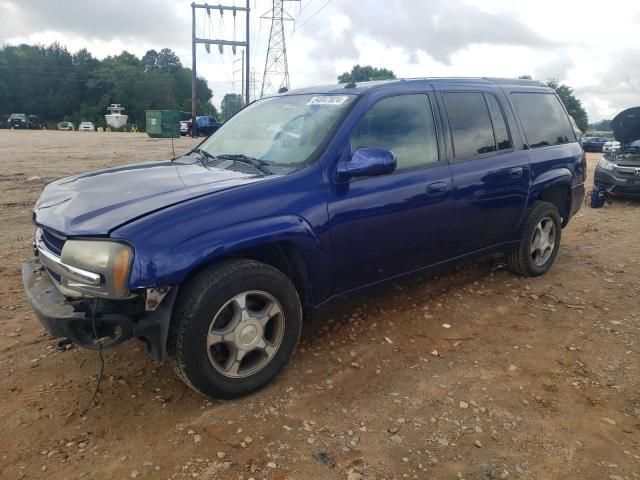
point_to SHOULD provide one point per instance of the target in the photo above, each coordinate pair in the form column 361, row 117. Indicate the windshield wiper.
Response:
column 203, row 153
column 241, row 157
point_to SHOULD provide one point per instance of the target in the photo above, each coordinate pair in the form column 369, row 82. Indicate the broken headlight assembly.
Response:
column 96, row 267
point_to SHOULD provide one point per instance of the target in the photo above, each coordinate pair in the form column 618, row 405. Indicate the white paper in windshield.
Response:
column 329, row 100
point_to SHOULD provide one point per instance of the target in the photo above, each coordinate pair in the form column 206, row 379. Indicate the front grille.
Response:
column 628, row 170
column 52, row 241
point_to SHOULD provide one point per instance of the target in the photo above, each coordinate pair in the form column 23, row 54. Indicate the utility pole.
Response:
column 276, row 69
column 221, row 43
column 193, row 71
column 242, row 74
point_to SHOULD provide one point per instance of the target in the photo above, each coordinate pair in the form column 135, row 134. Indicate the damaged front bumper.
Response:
column 622, row 184
column 114, row 321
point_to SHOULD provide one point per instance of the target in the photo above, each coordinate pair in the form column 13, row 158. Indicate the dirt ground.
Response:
column 476, row 374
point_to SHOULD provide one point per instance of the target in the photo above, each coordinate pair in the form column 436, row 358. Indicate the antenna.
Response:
column 276, row 69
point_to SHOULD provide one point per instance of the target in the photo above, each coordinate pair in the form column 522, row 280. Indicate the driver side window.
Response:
column 402, row 124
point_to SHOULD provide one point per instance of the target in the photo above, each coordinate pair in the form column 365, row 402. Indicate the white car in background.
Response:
column 87, row 127
column 610, row 147
column 66, row 126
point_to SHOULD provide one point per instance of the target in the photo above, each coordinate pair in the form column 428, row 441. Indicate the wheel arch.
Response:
column 284, row 255
column 287, row 243
column 554, row 187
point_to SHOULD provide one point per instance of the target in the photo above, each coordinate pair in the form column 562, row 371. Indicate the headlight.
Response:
column 111, row 260
column 606, row 164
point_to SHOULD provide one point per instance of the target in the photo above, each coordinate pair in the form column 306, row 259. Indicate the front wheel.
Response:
column 539, row 242
column 234, row 328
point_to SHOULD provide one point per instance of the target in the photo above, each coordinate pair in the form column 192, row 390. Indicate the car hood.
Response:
column 626, row 125
column 95, row 203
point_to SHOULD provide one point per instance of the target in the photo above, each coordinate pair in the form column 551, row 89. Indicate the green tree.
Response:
column 231, row 104
column 366, row 73
column 150, row 61
column 601, row 126
column 51, row 82
column 168, row 61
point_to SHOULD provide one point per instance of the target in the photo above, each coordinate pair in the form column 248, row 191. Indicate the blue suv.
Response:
column 213, row 258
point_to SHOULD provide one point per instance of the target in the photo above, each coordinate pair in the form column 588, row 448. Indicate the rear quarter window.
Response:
column 543, row 119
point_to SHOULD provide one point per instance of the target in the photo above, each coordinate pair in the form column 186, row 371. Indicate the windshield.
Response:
column 283, row 131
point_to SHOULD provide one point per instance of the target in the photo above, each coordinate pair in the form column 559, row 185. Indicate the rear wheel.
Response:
column 539, row 243
column 234, row 328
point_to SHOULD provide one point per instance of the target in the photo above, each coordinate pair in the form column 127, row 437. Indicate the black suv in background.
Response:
column 593, row 144
column 18, row 120
column 36, row 122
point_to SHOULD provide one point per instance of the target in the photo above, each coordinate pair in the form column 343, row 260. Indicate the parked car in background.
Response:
column 184, row 127
column 18, row 120
column 66, row 126
column 206, row 126
column 37, row 123
column 86, row 127
column 214, row 261
column 619, row 168
column 611, row 146
column 593, row 144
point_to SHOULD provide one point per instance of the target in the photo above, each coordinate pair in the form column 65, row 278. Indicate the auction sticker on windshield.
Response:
column 328, row 100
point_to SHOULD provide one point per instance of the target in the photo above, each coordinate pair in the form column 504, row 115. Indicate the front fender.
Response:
column 172, row 265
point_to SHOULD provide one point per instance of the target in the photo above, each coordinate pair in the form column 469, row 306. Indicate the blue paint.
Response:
column 351, row 232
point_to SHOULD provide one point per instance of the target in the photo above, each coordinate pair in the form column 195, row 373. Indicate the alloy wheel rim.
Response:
column 245, row 334
column 543, row 241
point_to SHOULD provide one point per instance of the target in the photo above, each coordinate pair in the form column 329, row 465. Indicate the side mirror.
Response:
column 367, row 162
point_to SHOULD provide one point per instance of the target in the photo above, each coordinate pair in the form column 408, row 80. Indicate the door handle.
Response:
column 516, row 172
column 437, row 188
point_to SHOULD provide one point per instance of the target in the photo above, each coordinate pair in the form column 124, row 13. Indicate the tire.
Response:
column 527, row 259
column 210, row 329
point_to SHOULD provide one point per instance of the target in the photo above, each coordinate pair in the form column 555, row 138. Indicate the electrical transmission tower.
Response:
column 276, row 70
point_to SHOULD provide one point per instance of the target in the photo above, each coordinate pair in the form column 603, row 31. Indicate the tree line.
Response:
column 57, row 85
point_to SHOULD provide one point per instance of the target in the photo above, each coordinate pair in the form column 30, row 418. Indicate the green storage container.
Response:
column 163, row 123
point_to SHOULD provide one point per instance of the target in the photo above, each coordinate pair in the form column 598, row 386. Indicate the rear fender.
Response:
column 549, row 179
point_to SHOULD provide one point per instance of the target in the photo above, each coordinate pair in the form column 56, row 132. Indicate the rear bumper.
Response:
column 116, row 320
column 623, row 187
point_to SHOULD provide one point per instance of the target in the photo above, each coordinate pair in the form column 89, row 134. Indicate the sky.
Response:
column 591, row 46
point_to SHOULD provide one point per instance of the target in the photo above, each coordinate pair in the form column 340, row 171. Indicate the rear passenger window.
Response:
column 402, row 124
column 470, row 124
column 543, row 119
column 503, row 142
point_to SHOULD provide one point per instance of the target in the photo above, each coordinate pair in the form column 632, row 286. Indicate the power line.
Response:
column 306, row 5
column 312, row 16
